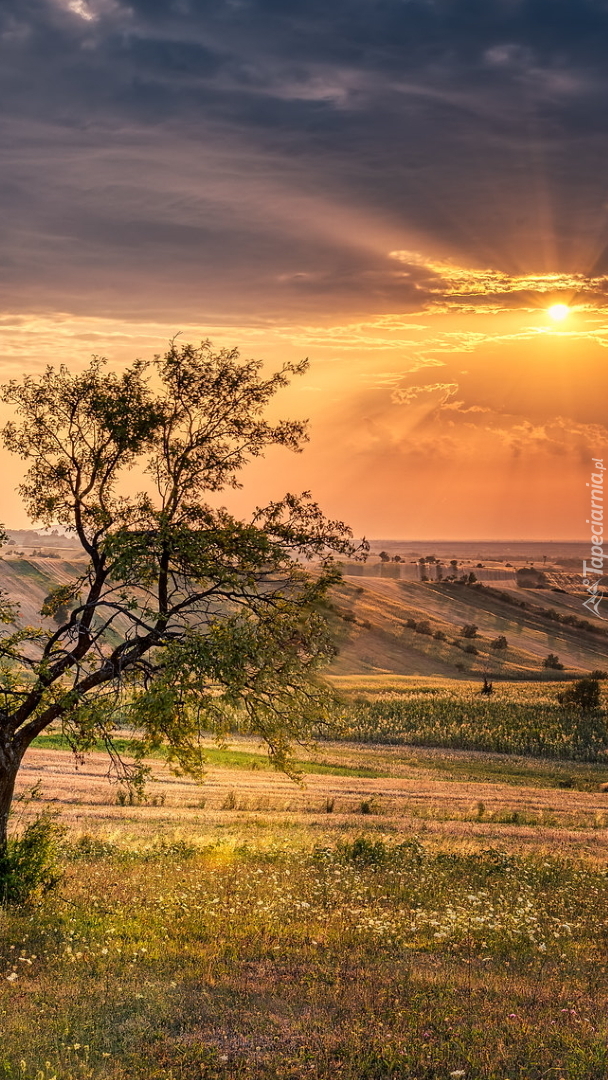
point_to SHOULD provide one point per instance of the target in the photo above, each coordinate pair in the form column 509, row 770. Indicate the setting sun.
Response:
column 558, row 312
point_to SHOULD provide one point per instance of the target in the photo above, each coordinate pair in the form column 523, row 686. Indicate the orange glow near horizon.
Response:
column 416, row 203
column 464, row 419
column 441, row 423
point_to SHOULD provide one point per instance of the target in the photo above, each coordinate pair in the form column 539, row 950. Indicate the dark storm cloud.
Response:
column 266, row 157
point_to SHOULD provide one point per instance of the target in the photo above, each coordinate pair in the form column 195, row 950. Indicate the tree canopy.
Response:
column 183, row 619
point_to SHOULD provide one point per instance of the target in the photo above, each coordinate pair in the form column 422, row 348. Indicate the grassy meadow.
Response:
column 411, row 909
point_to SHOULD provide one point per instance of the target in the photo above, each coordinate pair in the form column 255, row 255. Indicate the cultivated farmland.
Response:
column 403, row 911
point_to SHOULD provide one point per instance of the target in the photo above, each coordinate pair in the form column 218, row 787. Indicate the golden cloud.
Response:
column 409, row 395
column 448, row 284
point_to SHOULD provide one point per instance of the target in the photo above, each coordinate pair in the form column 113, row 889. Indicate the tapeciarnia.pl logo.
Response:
column 593, row 571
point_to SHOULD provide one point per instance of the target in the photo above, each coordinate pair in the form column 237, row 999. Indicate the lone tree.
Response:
column 499, row 643
column 183, row 619
column 552, row 661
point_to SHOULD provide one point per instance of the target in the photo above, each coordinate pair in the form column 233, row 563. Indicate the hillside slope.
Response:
column 370, row 618
column 375, row 638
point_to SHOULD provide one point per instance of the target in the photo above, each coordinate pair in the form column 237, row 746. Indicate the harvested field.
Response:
column 407, row 799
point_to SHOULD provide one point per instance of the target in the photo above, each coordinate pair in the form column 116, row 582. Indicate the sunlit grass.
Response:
column 370, row 932
column 228, row 757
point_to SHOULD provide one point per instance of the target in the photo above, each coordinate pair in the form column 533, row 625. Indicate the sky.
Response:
column 401, row 190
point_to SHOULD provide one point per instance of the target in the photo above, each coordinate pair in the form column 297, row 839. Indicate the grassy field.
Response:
column 358, row 957
column 406, row 912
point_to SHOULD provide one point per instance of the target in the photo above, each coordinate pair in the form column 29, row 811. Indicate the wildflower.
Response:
column 457, row 1073
column 11, row 978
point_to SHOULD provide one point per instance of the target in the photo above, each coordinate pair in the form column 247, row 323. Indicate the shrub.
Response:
column 411, row 624
column 424, row 627
column 584, row 692
column 91, row 847
column 471, row 649
column 364, row 852
column 469, row 630
column 552, row 661
column 30, row 865
column 598, row 674
column 440, row 635
column 499, row 643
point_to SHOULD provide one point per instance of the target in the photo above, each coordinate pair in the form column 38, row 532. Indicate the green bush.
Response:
column 30, row 865
column 584, row 692
column 364, row 852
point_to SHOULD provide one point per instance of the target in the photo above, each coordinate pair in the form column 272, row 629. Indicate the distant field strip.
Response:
column 214, row 756
column 507, row 723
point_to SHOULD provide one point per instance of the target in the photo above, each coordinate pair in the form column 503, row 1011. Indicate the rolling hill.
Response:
column 377, row 635
column 386, row 626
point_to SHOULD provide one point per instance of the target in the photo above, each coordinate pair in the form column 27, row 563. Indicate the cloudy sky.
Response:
column 399, row 189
